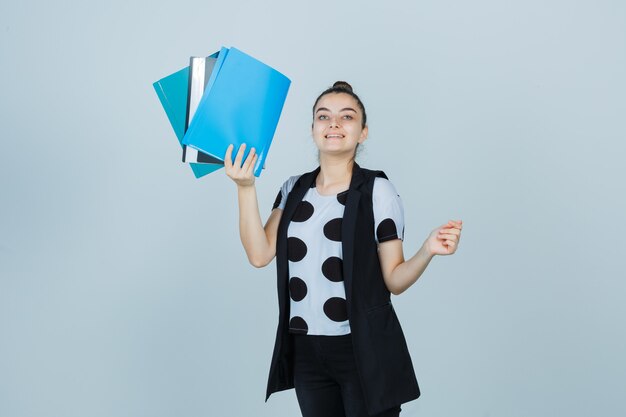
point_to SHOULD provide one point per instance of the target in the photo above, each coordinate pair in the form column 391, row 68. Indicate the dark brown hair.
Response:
column 343, row 87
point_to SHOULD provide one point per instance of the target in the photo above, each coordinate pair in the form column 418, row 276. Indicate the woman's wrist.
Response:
column 244, row 187
column 426, row 251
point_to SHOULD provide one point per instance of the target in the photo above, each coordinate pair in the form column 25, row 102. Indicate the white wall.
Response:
column 507, row 115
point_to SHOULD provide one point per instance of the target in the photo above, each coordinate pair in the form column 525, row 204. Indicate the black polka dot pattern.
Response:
column 387, row 230
column 303, row 212
column 332, row 230
column 278, row 200
column 297, row 289
column 336, row 309
column 296, row 249
column 317, row 298
column 298, row 325
column 342, row 197
column 332, row 268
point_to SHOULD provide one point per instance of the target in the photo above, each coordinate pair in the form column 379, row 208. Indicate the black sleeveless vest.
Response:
column 381, row 354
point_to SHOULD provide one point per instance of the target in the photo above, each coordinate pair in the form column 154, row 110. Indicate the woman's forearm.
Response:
column 408, row 272
column 251, row 231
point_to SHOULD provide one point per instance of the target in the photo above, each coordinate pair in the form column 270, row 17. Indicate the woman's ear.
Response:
column 363, row 134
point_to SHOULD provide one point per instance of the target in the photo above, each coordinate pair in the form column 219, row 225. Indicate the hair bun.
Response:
column 343, row 85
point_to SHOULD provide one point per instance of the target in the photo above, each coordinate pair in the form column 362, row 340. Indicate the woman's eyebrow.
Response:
column 344, row 109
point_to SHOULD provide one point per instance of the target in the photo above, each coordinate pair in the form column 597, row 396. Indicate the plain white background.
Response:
column 124, row 290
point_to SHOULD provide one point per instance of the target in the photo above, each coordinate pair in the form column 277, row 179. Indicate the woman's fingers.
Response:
column 447, row 236
column 450, row 243
column 228, row 160
column 456, row 223
column 251, row 163
column 248, row 162
column 239, row 156
column 241, row 173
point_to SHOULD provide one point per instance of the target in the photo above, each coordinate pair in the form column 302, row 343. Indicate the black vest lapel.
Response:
column 348, row 225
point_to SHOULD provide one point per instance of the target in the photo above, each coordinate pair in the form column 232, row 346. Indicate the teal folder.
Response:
column 242, row 103
column 172, row 92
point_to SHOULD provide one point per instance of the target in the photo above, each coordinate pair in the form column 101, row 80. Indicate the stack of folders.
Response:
column 226, row 98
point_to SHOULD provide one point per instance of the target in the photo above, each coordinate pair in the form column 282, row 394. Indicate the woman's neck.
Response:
column 334, row 175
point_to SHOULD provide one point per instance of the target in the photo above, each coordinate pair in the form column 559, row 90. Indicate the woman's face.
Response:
column 337, row 124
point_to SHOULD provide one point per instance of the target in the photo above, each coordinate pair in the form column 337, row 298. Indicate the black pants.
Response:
column 326, row 379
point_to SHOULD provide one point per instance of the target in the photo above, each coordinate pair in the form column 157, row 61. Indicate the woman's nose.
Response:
column 333, row 122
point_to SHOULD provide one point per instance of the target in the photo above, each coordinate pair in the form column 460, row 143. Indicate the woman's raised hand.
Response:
column 444, row 240
column 243, row 175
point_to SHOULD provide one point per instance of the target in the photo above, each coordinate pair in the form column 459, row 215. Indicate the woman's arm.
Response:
column 258, row 241
column 400, row 274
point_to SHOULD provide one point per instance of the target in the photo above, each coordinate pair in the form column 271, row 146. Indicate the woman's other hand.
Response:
column 444, row 240
column 243, row 175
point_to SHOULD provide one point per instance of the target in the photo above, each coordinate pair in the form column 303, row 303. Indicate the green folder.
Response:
column 172, row 91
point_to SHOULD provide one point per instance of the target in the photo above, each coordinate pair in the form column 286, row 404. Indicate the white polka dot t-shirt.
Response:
column 316, row 289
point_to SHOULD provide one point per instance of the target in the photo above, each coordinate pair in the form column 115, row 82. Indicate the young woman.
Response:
column 336, row 233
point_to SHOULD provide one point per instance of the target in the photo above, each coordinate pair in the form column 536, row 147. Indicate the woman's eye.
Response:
column 347, row 116
column 323, row 117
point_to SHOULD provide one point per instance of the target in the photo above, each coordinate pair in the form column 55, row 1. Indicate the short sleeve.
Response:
column 388, row 211
column 285, row 189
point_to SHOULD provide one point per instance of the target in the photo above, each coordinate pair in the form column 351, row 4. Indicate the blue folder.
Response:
column 172, row 92
column 242, row 103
